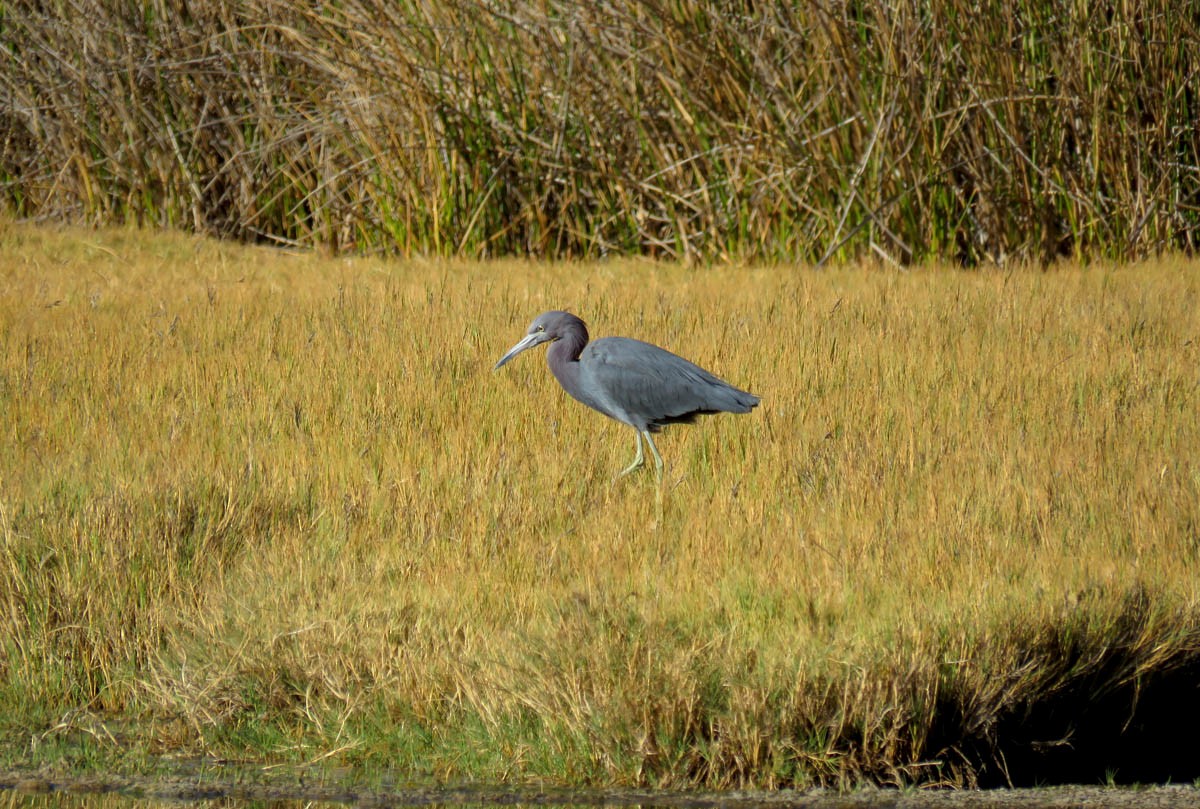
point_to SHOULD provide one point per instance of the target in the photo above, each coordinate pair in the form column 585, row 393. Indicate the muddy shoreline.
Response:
column 299, row 789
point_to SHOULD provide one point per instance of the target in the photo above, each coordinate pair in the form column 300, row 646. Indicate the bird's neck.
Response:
column 563, row 358
column 568, row 347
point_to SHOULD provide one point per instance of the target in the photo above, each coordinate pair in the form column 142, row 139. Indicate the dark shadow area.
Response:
column 1136, row 733
column 1106, row 727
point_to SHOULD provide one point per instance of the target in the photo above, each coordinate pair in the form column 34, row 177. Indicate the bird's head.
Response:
column 546, row 327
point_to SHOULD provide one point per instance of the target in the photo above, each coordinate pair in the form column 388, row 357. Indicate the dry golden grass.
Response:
column 278, row 506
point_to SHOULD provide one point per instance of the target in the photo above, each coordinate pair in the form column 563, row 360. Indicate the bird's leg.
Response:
column 639, row 459
column 658, row 462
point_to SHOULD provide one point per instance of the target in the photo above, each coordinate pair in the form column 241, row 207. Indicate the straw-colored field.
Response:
column 277, row 507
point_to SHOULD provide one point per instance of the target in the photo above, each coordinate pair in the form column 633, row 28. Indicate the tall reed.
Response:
column 692, row 129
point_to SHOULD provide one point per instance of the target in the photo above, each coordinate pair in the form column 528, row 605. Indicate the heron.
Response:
column 636, row 383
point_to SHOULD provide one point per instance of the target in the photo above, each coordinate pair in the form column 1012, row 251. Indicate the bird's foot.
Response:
column 633, row 467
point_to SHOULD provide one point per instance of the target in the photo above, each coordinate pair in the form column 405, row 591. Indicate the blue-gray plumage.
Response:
column 633, row 382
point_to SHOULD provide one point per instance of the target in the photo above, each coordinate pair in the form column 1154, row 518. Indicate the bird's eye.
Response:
column 541, row 328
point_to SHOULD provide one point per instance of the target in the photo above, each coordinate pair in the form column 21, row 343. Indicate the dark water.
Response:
column 17, row 800
column 177, row 799
column 35, row 793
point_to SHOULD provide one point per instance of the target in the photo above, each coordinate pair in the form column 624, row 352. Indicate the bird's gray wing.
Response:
column 647, row 386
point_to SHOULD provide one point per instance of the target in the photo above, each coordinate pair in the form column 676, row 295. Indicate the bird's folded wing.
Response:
column 651, row 383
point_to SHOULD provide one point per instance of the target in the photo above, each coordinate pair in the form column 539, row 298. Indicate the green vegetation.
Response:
column 698, row 129
column 275, row 507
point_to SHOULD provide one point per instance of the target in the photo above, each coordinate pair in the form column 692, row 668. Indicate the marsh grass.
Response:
column 978, row 132
column 269, row 506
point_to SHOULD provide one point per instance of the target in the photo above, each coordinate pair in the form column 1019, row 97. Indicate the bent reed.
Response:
column 271, row 507
column 906, row 130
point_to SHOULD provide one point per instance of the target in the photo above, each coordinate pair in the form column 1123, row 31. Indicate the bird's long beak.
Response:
column 527, row 342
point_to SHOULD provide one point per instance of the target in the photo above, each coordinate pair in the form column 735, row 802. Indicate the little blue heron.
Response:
column 633, row 382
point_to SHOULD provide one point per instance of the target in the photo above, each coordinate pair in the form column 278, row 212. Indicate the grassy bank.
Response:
column 697, row 129
column 274, row 507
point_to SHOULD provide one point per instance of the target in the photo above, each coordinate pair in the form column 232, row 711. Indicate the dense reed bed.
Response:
column 276, row 508
column 698, row 129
